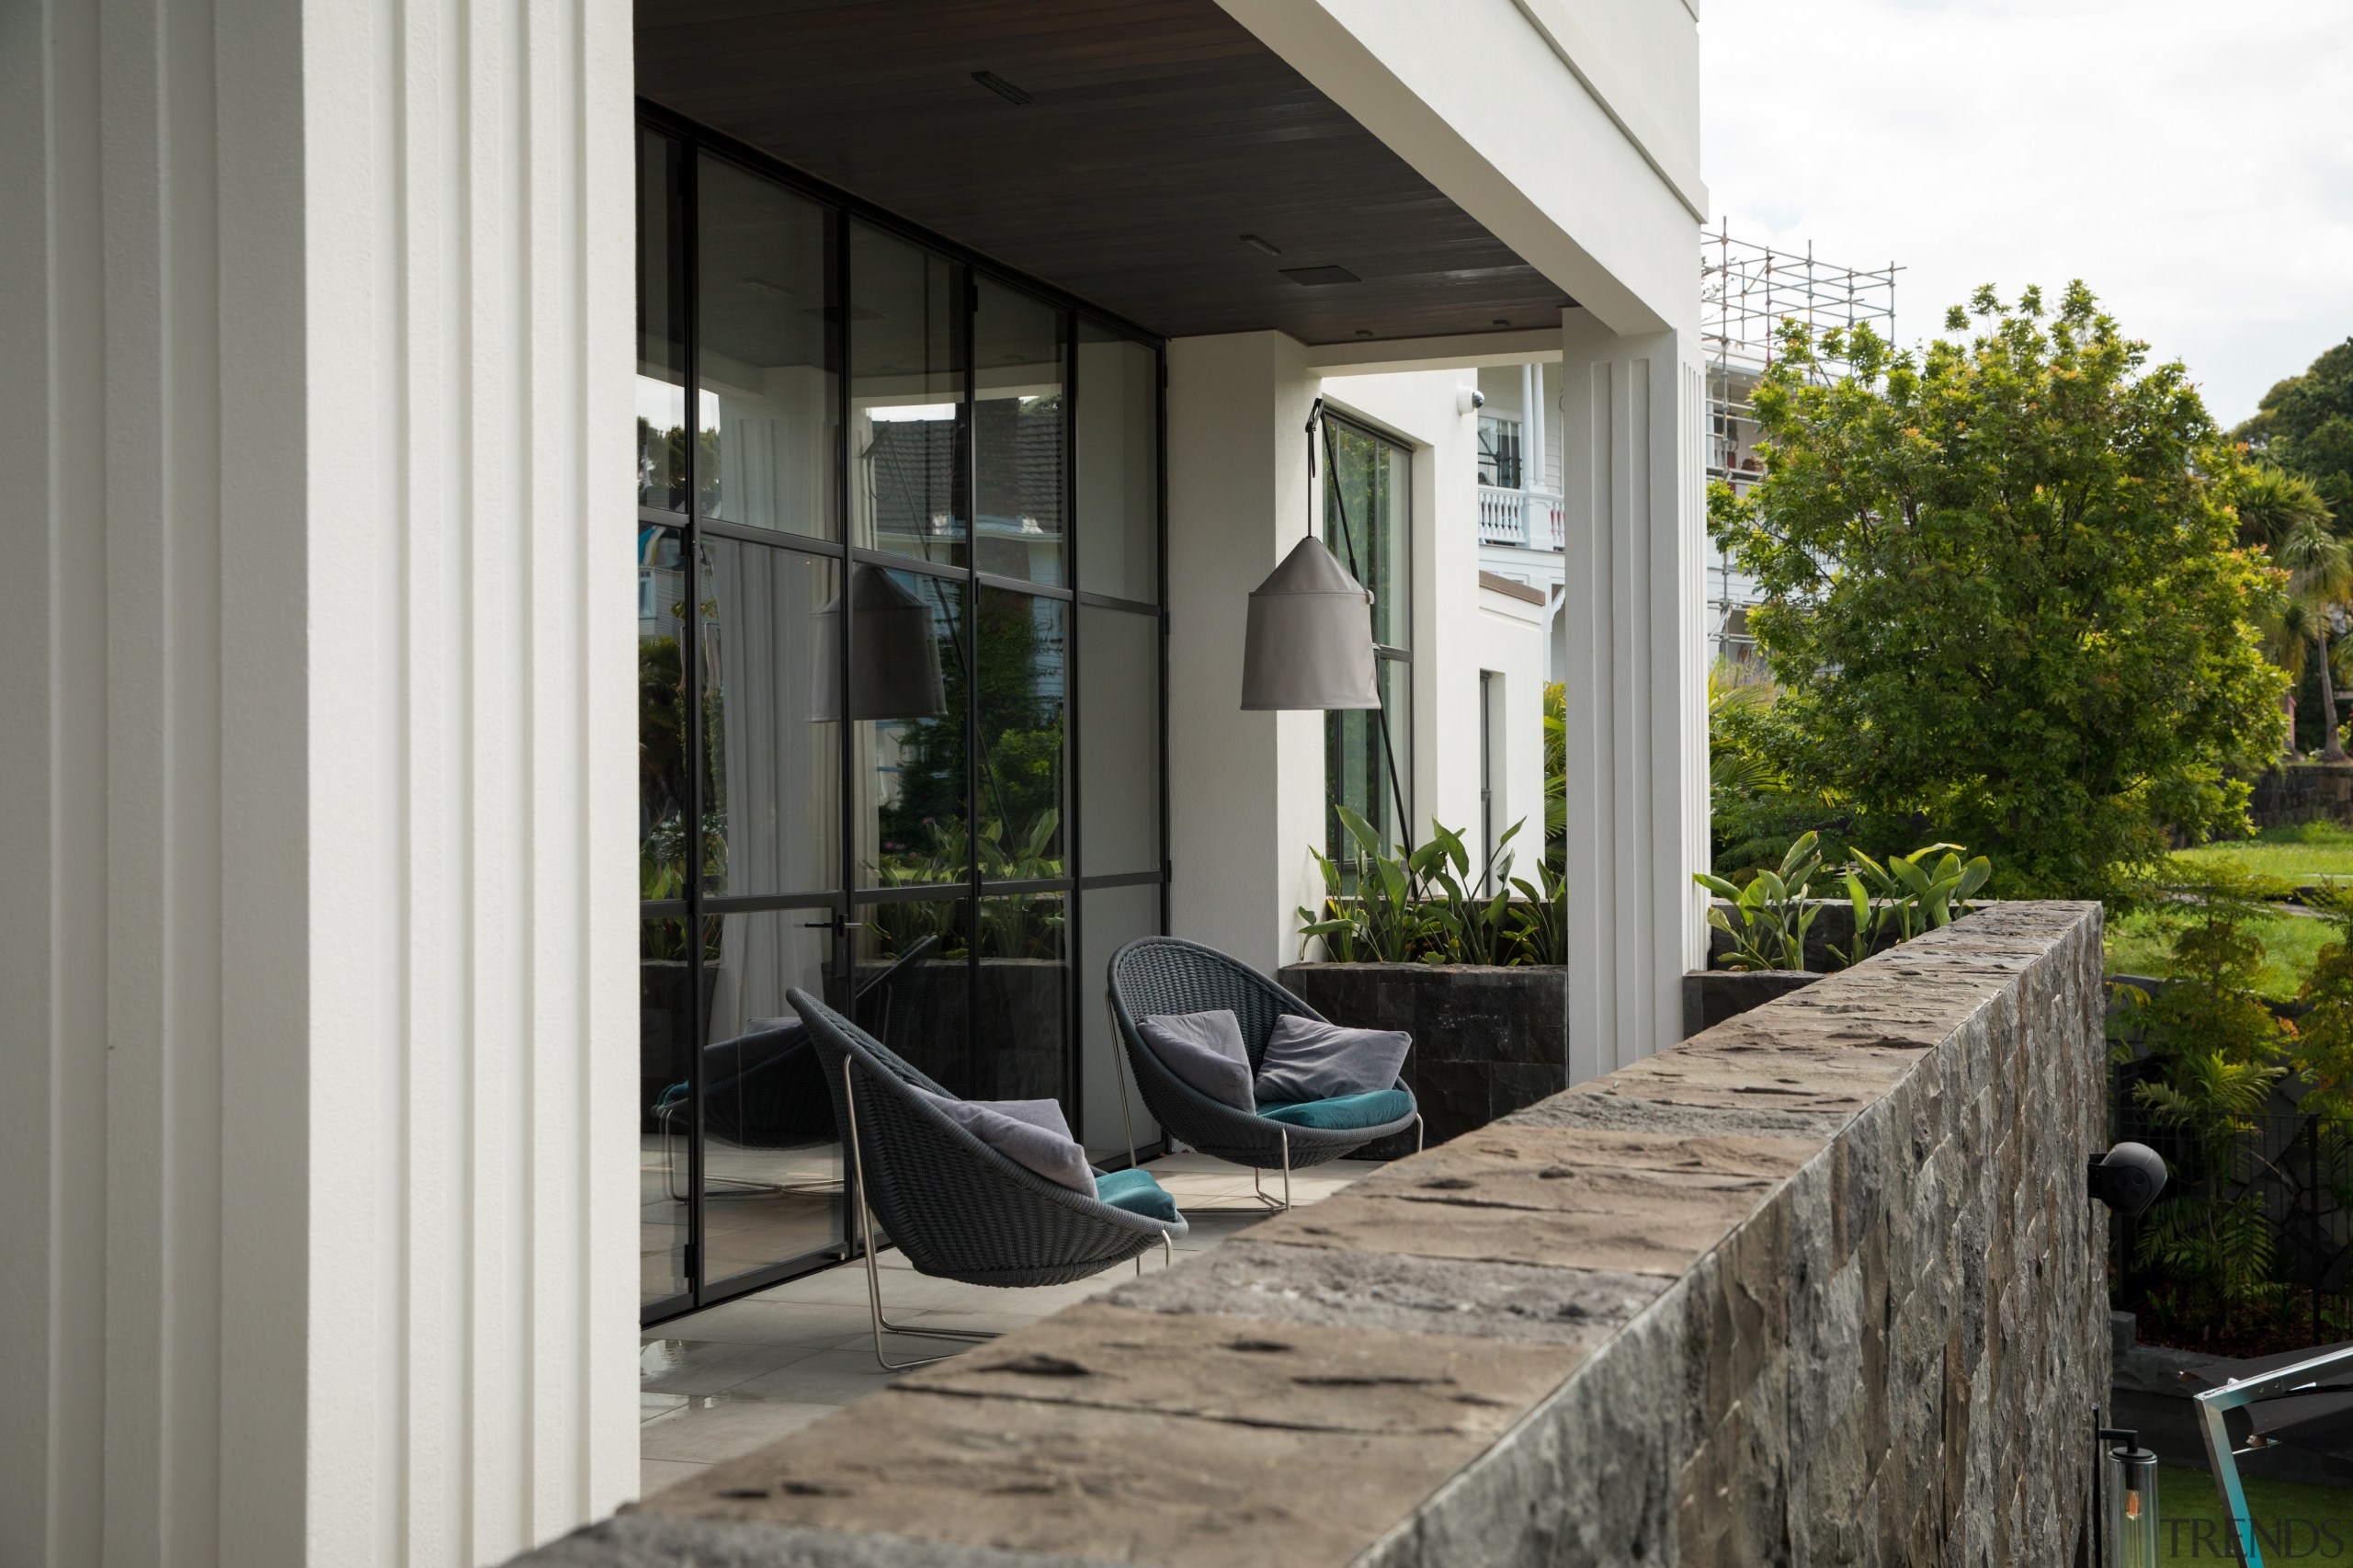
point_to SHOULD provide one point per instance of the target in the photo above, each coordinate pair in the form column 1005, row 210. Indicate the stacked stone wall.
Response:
column 1819, row 1286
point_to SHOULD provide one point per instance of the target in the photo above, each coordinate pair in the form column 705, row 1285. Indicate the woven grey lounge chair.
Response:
column 955, row 1207
column 1167, row 974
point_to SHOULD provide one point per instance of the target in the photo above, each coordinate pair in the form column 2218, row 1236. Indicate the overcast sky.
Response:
column 2191, row 161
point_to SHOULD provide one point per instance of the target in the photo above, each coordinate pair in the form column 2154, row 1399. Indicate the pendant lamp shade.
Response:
column 894, row 653
column 1309, row 641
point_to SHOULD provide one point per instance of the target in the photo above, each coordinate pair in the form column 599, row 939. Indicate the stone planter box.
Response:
column 1488, row 1041
column 1711, row 996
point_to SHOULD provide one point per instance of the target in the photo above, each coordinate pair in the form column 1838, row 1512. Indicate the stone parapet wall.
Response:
column 1819, row 1285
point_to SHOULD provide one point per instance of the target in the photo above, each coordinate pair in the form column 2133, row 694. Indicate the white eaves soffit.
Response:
column 1568, row 128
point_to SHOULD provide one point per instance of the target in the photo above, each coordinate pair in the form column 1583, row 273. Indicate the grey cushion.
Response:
column 1032, row 1133
column 1309, row 1059
column 1206, row 1050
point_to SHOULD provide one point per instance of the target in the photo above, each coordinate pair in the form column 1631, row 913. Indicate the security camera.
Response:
column 2129, row 1177
column 1469, row 400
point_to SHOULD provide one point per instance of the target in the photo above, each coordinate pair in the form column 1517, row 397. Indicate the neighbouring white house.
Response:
column 1748, row 290
column 540, row 527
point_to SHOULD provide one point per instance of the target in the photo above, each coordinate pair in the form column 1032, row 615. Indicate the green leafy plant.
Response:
column 1897, row 902
column 2004, row 598
column 1540, row 932
column 1379, row 921
column 1426, row 907
column 1776, row 910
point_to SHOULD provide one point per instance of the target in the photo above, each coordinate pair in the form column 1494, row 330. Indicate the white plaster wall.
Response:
column 1511, row 634
column 1246, row 790
column 1569, row 133
column 317, row 950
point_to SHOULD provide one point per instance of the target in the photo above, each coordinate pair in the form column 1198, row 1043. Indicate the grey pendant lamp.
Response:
column 894, row 653
column 1308, row 641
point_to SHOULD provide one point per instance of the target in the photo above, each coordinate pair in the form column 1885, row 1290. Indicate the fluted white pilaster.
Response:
column 316, row 956
column 1631, row 656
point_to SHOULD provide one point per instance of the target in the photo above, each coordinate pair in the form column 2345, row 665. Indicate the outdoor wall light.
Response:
column 2128, row 1177
column 2131, row 1478
column 894, row 653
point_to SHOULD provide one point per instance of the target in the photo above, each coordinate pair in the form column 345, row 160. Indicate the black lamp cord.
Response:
column 1315, row 422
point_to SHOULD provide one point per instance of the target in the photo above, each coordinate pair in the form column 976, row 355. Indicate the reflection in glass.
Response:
column 913, row 973
column 1366, row 490
column 764, row 360
column 661, row 326
column 1119, row 466
column 661, row 713
column 771, row 1166
column 1024, row 653
column 911, row 771
column 1119, row 741
column 1021, row 1011
column 1356, row 765
column 906, row 373
column 1018, row 436
column 1109, row 919
column 772, row 818
column 665, row 1028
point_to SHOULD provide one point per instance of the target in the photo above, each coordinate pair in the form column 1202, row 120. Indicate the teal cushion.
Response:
column 1136, row 1192
column 1375, row 1109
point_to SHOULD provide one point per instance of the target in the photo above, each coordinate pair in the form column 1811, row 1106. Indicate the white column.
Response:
column 1246, row 790
column 1631, row 651
column 316, row 953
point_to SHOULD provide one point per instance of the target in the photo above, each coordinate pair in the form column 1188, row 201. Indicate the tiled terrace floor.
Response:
column 725, row 1381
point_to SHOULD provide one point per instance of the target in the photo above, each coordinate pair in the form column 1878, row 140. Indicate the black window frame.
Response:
column 690, row 528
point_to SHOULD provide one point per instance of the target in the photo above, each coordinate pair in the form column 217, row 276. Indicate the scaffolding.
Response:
column 1746, row 291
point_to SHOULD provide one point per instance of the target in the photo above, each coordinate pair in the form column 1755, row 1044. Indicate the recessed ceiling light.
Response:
column 1319, row 277
column 1001, row 88
column 1364, row 332
column 1500, row 322
column 1266, row 246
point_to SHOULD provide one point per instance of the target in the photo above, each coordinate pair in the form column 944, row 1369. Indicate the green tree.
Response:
column 2284, row 513
column 2306, row 426
column 2004, row 592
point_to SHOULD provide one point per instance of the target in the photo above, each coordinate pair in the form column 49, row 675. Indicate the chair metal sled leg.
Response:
column 876, row 1321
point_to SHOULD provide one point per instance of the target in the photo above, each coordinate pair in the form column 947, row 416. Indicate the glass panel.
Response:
column 1021, row 1010
column 772, row 820
column 1365, row 500
column 1023, row 668
column 906, row 389
column 771, row 1176
column 1118, row 741
column 1109, row 918
column 1356, row 767
column 1017, row 435
column 914, row 969
column 665, row 1026
column 764, row 361
column 661, row 326
column 1119, row 466
column 907, row 693
column 661, row 714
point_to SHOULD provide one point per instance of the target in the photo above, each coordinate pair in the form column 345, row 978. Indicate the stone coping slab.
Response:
column 1816, row 1284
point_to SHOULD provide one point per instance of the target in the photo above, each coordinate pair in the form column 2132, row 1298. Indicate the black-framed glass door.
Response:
column 901, row 666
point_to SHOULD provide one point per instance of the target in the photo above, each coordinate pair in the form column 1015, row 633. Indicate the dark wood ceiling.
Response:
column 1159, row 131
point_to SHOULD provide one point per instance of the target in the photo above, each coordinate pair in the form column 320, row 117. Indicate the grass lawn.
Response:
column 2307, row 852
column 2137, row 944
column 2294, row 1521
